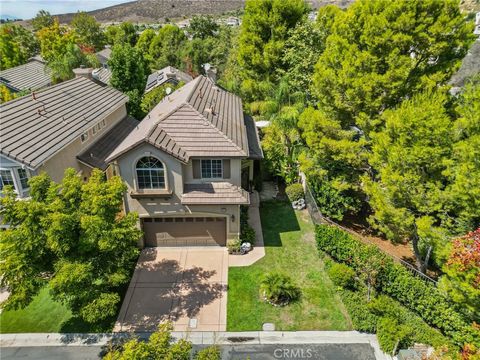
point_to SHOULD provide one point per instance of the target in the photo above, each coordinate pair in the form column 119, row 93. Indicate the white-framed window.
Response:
column 212, row 168
column 6, row 178
column 150, row 173
column 104, row 123
column 23, row 178
column 99, row 126
column 84, row 137
column 94, row 130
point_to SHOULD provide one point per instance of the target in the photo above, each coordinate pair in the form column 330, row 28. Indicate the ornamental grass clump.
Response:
column 278, row 289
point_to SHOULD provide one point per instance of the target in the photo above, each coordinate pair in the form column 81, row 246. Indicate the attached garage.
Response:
column 185, row 231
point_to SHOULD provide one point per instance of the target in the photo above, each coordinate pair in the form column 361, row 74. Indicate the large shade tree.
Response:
column 128, row 75
column 263, row 33
column 378, row 53
column 72, row 236
column 17, row 45
column 90, row 35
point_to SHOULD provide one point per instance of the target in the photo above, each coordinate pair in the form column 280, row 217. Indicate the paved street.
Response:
column 233, row 352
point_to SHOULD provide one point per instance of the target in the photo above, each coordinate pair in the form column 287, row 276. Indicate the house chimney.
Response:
column 83, row 72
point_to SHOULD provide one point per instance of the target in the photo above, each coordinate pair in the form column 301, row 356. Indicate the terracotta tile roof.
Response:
column 214, row 193
column 199, row 119
column 96, row 153
column 33, row 75
column 35, row 127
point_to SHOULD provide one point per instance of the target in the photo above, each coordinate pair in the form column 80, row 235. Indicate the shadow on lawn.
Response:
column 277, row 217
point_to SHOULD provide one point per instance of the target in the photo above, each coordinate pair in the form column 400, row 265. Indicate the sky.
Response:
column 26, row 9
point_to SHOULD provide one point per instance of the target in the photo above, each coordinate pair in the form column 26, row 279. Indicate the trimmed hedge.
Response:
column 398, row 282
column 294, row 192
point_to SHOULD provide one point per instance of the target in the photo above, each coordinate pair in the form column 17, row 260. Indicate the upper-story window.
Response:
column 212, row 169
column 150, row 173
column 6, row 178
column 84, row 137
column 23, row 178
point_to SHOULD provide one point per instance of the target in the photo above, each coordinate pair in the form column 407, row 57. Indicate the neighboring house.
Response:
column 33, row 75
column 75, row 124
column 188, row 166
column 103, row 73
column 168, row 74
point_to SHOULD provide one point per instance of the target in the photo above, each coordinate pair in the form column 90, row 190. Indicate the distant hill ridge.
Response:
column 159, row 10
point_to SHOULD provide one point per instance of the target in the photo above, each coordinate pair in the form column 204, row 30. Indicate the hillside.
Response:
column 157, row 10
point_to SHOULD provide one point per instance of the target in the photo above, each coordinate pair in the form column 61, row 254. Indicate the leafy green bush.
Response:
column 342, row 275
column 278, row 289
column 247, row 234
column 393, row 335
column 160, row 345
column 294, row 192
column 233, row 245
column 362, row 318
column 395, row 280
column 209, row 353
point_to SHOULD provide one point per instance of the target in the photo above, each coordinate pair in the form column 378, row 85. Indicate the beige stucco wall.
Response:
column 66, row 158
column 175, row 176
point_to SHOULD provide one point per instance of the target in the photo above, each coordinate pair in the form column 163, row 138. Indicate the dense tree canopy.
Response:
column 73, row 236
column 41, row 20
column 128, row 75
column 202, row 27
column 89, row 33
column 17, row 45
column 381, row 51
column 263, row 33
column 305, row 44
column 73, row 57
column 125, row 33
column 54, row 41
column 165, row 47
column 409, row 156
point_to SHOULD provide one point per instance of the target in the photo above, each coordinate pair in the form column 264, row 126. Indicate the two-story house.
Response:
column 184, row 166
column 74, row 124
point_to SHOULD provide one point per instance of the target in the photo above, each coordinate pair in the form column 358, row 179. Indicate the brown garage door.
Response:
column 201, row 231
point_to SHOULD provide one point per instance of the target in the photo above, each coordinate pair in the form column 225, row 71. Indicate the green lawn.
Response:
column 290, row 248
column 43, row 314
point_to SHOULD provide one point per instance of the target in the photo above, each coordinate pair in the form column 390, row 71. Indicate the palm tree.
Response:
column 278, row 288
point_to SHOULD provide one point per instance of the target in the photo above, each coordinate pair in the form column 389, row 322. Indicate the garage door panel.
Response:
column 178, row 232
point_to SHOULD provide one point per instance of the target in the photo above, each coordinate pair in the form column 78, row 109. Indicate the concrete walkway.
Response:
column 258, row 251
column 201, row 338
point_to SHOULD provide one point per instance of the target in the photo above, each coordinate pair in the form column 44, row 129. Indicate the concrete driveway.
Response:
column 184, row 285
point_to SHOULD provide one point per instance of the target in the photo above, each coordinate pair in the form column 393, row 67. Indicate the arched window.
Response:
column 150, row 173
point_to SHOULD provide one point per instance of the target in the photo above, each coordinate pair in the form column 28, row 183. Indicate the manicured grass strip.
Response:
column 42, row 315
column 290, row 248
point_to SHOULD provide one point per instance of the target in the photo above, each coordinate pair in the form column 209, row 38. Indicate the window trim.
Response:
column 12, row 175
column 164, row 169
column 20, row 178
column 211, row 177
column 82, row 139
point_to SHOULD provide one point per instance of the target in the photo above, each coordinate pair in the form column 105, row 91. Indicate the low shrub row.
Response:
column 392, row 322
column 396, row 281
